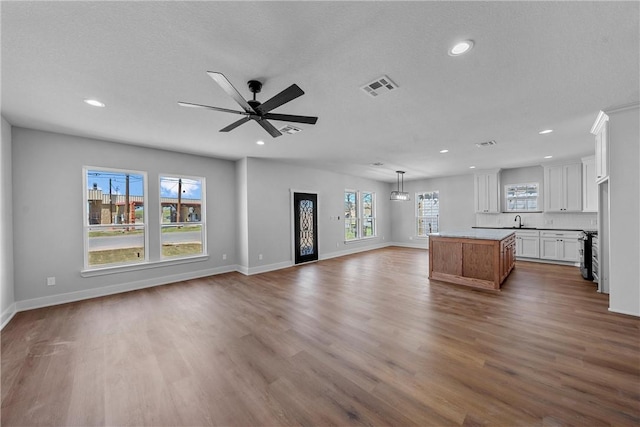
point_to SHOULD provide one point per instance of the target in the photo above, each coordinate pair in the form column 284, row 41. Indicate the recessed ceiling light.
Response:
column 94, row 102
column 261, row 142
column 546, row 131
column 461, row 48
column 444, row 151
column 548, row 157
column 472, row 167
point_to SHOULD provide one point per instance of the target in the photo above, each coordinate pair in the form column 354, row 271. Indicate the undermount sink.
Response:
column 520, row 228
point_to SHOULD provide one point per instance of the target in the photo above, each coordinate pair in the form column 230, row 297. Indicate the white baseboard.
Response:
column 354, row 250
column 7, row 315
column 68, row 297
column 424, row 245
column 47, row 301
column 264, row 268
column 628, row 313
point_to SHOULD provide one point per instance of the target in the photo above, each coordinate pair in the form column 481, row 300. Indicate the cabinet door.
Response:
column 569, row 250
column 481, row 193
column 549, row 248
column 493, row 199
column 602, row 152
column 589, row 186
column 530, row 247
column 572, row 179
column 554, row 188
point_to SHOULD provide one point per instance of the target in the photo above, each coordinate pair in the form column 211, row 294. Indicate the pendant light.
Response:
column 400, row 194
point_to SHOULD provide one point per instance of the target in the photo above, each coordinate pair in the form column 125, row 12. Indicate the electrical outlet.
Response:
column 51, row 281
column 548, row 222
column 337, row 244
column 224, row 256
column 259, row 256
column 594, row 222
column 410, row 237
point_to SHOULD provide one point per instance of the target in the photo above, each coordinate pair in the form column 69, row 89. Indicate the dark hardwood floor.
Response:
column 363, row 339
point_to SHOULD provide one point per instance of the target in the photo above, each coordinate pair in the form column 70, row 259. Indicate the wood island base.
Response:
column 478, row 262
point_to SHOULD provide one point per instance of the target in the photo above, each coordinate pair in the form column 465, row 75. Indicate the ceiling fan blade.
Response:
column 291, row 118
column 235, row 124
column 269, row 128
column 290, row 93
column 224, row 110
column 230, row 90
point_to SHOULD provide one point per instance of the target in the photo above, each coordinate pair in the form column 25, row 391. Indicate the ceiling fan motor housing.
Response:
column 254, row 86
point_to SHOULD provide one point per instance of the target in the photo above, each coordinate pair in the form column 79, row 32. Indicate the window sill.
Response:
column 347, row 242
column 142, row 266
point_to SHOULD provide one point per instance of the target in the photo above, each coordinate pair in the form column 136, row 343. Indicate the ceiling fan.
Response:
column 255, row 110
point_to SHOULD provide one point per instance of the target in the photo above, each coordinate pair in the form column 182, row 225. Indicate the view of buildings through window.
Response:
column 359, row 214
column 116, row 231
column 521, row 197
column 427, row 213
column 182, row 224
column 115, row 228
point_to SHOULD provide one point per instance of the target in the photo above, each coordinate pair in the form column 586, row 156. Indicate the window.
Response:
column 521, row 197
column 427, row 213
column 359, row 214
column 182, row 216
column 115, row 217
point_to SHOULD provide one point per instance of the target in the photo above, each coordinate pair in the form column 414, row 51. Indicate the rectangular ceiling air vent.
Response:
column 379, row 86
column 289, row 129
column 486, row 144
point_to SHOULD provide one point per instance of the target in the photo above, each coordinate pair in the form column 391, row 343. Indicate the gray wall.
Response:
column 6, row 225
column 456, row 207
column 624, row 196
column 270, row 211
column 48, row 215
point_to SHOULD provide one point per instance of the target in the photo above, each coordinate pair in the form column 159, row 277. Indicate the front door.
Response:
column 305, row 213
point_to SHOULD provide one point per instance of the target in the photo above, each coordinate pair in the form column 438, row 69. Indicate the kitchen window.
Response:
column 427, row 213
column 115, row 218
column 522, row 197
column 182, row 216
column 359, row 214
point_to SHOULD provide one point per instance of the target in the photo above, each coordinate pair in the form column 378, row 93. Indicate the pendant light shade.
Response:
column 400, row 194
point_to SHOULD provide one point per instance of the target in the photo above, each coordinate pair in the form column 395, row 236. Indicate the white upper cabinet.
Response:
column 487, row 191
column 563, row 188
column 589, row 185
column 601, row 130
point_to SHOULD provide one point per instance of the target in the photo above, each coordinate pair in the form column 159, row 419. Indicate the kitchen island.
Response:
column 481, row 258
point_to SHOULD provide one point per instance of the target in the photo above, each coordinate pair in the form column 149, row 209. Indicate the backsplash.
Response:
column 576, row 220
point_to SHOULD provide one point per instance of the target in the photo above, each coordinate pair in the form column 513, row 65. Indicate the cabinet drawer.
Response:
column 527, row 233
column 561, row 234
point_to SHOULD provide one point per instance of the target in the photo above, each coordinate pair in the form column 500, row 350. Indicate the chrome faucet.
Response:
column 519, row 219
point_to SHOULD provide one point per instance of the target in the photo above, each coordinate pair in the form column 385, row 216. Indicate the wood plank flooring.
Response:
column 362, row 339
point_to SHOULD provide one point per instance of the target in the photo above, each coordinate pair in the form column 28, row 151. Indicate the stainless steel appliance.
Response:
column 586, row 254
column 595, row 269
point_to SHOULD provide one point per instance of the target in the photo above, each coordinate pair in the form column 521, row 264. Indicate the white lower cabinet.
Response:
column 528, row 244
column 560, row 245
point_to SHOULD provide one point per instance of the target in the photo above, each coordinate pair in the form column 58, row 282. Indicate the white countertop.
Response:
column 476, row 233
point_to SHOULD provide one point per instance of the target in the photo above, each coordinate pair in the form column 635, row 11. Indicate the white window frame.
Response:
column 86, row 225
column 420, row 217
column 537, row 197
column 359, row 218
column 203, row 214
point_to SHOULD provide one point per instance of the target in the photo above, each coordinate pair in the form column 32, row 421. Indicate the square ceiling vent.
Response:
column 379, row 86
column 289, row 129
column 486, row 144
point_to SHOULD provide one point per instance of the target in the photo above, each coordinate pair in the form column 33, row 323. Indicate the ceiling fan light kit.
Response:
column 400, row 194
column 254, row 109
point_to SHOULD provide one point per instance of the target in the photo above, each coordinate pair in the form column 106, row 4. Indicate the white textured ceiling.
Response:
column 535, row 65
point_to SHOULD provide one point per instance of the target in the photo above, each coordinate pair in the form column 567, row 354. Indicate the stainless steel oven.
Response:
column 586, row 254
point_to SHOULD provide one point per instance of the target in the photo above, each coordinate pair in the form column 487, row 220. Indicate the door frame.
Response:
column 292, row 221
